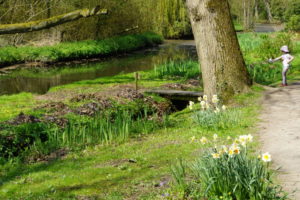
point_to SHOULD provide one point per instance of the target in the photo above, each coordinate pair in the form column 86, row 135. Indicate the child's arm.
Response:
column 291, row 58
column 274, row 60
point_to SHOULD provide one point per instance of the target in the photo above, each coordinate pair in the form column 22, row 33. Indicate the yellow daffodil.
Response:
column 205, row 97
column 200, row 99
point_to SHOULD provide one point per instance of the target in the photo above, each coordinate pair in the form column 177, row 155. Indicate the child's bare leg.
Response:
column 284, row 72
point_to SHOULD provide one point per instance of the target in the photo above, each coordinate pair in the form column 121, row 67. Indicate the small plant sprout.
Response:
column 203, row 140
column 266, row 157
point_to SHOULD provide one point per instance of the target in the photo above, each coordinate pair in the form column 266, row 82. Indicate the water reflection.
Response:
column 40, row 80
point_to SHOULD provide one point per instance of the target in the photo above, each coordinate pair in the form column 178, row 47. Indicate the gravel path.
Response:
column 280, row 134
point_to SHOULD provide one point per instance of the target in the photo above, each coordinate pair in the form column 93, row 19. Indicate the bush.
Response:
column 270, row 46
column 294, row 23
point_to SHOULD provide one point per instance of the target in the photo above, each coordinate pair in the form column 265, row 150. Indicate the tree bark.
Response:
column 50, row 22
column 223, row 68
column 256, row 10
column 268, row 7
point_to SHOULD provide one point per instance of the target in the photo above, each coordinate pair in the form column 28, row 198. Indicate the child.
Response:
column 286, row 58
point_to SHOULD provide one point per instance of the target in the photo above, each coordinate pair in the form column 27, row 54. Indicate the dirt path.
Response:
column 280, row 134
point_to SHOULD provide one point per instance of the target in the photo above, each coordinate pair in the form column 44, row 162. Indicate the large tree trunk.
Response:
column 268, row 7
column 223, row 68
column 50, row 22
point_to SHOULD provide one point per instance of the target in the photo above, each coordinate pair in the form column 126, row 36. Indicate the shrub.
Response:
column 294, row 23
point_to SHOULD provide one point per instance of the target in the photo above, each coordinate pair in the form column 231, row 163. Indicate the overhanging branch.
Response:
column 50, row 22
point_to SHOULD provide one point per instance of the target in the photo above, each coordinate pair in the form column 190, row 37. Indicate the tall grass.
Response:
column 105, row 129
column 76, row 50
column 186, row 69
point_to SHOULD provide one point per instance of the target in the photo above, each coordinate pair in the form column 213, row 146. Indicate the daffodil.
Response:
column 193, row 139
column 224, row 107
column 215, row 155
column 230, row 152
column 203, row 140
column 217, row 110
column 205, row 97
column 202, row 103
column 228, row 138
column 200, row 99
column 215, row 137
column 191, row 105
column 215, row 99
column 266, row 157
column 207, row 106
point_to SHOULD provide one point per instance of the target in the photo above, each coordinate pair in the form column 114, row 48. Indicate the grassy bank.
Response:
column 78, row 50
column 136, row 169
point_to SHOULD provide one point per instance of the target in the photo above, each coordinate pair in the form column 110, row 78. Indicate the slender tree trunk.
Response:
column 256, row 10
column 268, row 8
column 223, row 68
column 248, row 14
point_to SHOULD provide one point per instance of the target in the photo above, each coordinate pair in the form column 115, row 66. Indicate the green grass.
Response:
column 103, row 172
column 76, row 50
column 12, row 105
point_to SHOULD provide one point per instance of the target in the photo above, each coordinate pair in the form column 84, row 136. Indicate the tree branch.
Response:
column 50, row 22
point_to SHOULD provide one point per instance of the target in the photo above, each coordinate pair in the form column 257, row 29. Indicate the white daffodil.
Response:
column 205, row 97
column 207, row 106
column 215, row 137
column 203, row 140
column 224, row 107
column 191, row 105
column 200, row 99
column 215, row 155
column 266, row 157
column 203, row 103
column 217, row 110
column 215, row 99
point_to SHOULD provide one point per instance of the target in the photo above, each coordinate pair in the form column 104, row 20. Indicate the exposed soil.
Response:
column 280, row 134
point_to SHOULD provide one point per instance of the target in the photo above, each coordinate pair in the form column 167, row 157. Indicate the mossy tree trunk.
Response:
column 50, row 22
column 222, row 64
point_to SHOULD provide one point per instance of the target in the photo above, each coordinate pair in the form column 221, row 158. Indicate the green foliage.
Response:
column 264, row 74
column 105, row 128
column 186, row 69
column 209, row 119
column 293, row 23
column 15, row 139
column 75, row 50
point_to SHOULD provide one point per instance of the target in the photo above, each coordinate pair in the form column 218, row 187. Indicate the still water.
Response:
column 40, row 80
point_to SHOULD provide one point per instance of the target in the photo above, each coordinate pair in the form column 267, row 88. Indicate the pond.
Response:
column 40, row 79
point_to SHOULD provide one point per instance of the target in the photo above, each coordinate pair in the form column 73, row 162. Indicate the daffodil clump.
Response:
column 205, row 105
column 213, row 115
column 228, row 170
